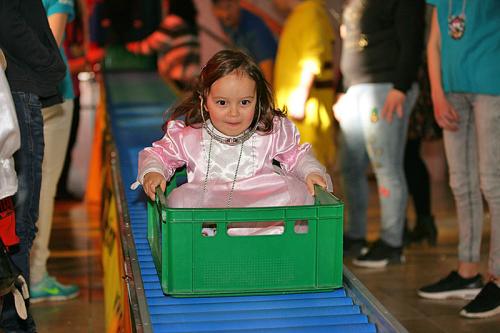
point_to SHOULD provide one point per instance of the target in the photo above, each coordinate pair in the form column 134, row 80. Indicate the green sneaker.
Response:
column 49, row 289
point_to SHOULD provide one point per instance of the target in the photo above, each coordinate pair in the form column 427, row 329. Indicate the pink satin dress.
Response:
column 258, row 183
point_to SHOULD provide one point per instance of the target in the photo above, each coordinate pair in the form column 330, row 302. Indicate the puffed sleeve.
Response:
column 286, row 144
column 165, row 155
column 296, row 158
column 309, row 164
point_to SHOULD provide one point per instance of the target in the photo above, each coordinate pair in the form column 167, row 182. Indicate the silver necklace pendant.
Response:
column 456, row 26
column 456, row 23
column 205, row 182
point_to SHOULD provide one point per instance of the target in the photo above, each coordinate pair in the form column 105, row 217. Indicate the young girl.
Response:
column 230, row 135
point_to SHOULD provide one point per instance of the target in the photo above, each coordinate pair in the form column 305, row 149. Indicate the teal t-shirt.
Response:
column 470, row 64
column 64, row 7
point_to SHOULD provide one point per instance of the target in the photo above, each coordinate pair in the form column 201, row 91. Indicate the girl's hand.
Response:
column 151, row 181
column 446, row 116
column 312, row 179
column 393, row 103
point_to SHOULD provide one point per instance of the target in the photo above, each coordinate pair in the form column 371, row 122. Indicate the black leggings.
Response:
column 75, row 122
column 417, row 178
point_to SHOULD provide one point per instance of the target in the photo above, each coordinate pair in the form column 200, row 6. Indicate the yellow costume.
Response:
column 307, row 42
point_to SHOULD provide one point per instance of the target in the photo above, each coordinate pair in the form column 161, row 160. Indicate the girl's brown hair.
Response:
column 221, row 64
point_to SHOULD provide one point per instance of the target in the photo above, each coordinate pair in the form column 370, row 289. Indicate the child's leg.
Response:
column 385, row 144
column 462, row 157
column 487, row 115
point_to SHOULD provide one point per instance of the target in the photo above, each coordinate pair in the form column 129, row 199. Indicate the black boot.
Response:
column 425, row 229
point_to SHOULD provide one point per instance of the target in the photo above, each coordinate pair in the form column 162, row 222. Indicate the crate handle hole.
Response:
column 208, row 229
column 301, row 226
column 256, row 228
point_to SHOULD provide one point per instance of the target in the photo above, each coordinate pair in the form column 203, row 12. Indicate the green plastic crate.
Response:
column 190, row 264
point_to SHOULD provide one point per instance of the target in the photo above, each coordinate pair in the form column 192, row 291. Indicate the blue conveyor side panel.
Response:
column 136, row 123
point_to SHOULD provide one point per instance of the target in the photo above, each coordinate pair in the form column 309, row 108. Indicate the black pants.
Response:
column 75, row 122
column 417, row 178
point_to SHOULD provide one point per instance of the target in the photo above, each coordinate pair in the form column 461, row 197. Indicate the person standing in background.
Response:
column 464, row 72
column 35, row 69
column 422, row 127
column 303, row 75
column 56, row 129
column 176, row 41
column 10, row 141
column 10, row 138
column 381, row 53
column 249, row 33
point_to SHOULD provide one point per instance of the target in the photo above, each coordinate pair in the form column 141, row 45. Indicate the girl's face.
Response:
column 231, row 103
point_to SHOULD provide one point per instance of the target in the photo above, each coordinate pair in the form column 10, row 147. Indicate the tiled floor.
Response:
column 76, row 258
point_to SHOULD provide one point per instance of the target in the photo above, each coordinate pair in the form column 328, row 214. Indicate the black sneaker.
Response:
column 379, row 255
column 453, row 286
column 354, row 247
column 486, row 303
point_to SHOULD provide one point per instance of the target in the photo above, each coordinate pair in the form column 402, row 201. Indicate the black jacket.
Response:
column 34, row 64
column 383, row 42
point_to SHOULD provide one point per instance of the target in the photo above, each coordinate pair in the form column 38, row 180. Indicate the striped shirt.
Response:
column 178, row 50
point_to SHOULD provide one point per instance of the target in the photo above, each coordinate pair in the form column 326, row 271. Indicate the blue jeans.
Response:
column 473, row 155
column 28, row 161
column 366, row 137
